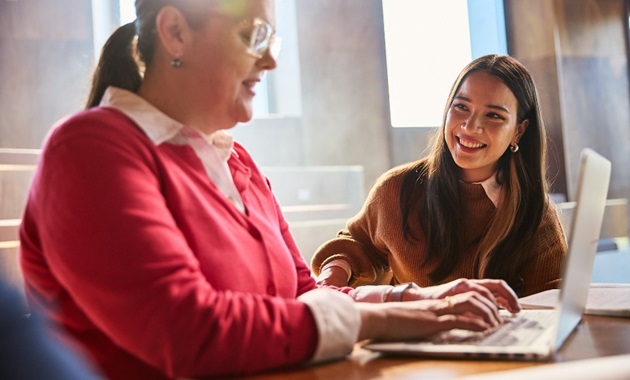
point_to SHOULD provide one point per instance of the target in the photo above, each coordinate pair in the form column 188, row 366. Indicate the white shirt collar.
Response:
column 492, row 188
column 213, row 150
column 158, row 126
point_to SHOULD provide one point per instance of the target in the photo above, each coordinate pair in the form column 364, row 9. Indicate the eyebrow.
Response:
column 488, row 105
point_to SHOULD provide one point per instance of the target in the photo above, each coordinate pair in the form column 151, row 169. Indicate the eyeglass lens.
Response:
column 263, row 38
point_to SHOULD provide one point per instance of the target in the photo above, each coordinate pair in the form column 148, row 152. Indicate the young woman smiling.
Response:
column 476, row 207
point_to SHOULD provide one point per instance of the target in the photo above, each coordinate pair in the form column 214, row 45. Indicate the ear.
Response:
column 172, row 30
column 520, row 129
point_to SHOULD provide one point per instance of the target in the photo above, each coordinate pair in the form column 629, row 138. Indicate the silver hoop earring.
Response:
column 176, row 63
column 514, row 148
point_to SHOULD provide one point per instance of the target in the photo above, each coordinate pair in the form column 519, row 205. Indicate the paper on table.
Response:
column 603, row 299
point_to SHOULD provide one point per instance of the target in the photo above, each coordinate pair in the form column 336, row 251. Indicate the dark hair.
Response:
column 132, row 47
column 117, row 65
column 522, row 175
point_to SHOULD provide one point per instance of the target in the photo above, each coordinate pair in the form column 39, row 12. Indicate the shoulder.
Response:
column 98, row 122
column 243, row 154
column 97, row 138
column 551, row 222
column 550, row 211
column 94, row 117
column 395, row 176
column 245, row 158
column 387, row 187
column 98, row 129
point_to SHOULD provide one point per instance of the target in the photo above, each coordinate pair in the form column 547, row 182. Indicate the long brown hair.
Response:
column 522, row 175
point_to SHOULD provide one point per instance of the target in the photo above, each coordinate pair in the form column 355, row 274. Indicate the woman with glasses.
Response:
column 476, row 207
column 155, row 240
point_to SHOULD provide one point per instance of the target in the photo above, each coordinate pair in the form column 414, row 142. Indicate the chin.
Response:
column 244, row 119
column 244, row 113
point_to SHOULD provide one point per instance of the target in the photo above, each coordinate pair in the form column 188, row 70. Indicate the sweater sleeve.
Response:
column 338, row 322
column 115, row 248
column 362, row 244
column 544, row 269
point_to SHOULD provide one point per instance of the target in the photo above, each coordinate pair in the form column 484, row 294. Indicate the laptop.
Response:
column 535, row 334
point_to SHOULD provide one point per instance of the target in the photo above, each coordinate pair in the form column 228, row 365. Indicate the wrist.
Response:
column 397, row 293
column 337, row 272
column 373, row 320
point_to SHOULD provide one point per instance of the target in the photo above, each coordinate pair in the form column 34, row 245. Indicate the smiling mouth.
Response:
column 250, row 87
column 470, row 144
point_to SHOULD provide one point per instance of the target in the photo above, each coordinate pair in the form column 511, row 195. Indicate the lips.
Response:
column 250, row 85
column 470, row 144
column 250, row 82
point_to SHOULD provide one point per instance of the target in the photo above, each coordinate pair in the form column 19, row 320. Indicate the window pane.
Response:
column 427, row 44
column 127, row 11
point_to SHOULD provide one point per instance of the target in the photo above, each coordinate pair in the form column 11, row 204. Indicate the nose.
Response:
column 472, row 123
column 267, row 61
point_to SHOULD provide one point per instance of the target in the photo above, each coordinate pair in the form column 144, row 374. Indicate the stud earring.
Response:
column 176, row 63
column 514, row 148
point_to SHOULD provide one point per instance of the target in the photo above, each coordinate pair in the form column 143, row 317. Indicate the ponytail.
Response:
column 117, row 65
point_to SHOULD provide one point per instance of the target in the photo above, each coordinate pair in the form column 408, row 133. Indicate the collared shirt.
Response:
column 492, row 188
column 213, row 150
column 142, row 259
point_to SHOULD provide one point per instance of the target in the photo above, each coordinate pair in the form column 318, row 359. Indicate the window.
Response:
column 278, row 95
column 127, row 11
column 427, row 44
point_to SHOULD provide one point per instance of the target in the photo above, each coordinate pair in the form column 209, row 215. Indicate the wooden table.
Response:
column 595, row 337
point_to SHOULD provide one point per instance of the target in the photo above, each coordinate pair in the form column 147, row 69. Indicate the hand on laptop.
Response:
column 418, row 319
column 462, row 304
column 496, row 291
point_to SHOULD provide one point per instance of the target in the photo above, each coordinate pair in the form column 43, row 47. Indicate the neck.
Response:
column 167, row 96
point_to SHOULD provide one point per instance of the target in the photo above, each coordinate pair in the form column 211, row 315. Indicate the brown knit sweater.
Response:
column 374, row 246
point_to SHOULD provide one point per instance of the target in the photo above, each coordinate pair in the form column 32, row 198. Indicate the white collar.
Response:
column 492, row 188
column 158, row 126
column 213, row 150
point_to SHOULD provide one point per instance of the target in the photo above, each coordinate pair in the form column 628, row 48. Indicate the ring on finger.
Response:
column 451, row 306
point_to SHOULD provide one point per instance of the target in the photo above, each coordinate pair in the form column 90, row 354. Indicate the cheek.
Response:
column 452, row 121
column 506, row 136
column 448, row 132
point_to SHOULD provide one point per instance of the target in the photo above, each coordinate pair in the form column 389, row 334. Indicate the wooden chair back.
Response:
column 17, row 167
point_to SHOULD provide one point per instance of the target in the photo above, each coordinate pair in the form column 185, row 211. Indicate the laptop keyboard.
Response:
column 519, row 329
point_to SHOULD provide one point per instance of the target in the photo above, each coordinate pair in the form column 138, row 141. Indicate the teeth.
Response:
column 470, row 144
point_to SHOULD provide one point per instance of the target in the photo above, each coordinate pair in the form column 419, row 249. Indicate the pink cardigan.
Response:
column 132, row 249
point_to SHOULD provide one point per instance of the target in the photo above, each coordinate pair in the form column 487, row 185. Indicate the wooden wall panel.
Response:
column 595, row 96
column 344, row 84
column 42, row 81
column 530, row 32
column 46, row 19
column 577, row 51
column 45, row 59
column 46, row 55
column 590, row 27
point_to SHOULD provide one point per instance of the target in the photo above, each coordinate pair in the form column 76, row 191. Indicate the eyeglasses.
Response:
column 262, row 38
